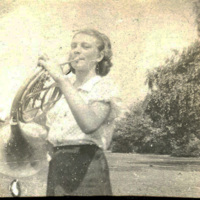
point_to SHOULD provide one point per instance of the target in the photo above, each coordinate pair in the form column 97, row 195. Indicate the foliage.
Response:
column 136, row 133
column 174, row 102
column 168, row 121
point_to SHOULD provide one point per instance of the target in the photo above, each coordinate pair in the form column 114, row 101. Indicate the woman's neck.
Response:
column 83, row 76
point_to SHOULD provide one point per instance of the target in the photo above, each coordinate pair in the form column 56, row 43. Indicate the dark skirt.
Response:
column 78, row 170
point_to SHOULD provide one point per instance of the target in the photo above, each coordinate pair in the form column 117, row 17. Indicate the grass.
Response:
column 131, row 174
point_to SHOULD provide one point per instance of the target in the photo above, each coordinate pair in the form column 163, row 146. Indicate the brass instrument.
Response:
column 34, row 98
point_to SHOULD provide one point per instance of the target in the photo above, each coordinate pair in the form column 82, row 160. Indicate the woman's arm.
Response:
column 88, row 117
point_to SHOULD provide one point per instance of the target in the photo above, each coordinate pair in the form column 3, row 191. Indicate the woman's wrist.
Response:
column 63, row 81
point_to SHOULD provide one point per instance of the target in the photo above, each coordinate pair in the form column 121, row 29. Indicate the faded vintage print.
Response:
column 99, row 98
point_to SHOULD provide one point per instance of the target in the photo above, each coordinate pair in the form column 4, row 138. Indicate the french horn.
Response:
column 34, row 98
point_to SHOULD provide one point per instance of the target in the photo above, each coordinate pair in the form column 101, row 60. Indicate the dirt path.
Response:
column 132, row 174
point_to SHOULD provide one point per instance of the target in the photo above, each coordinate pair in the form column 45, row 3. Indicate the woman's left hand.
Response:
column 52, row 67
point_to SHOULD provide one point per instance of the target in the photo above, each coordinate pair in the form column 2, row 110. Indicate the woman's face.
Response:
column 84, row 47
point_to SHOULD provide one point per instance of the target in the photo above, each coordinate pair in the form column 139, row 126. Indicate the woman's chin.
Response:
column 82, row 69
column 80, row 65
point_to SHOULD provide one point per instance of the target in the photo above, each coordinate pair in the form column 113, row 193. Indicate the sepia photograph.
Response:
column 100, row 98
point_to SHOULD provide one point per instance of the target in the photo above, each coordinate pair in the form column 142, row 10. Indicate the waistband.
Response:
column 70, row 148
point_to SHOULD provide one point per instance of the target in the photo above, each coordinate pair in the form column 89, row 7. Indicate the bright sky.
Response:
column 142, row 33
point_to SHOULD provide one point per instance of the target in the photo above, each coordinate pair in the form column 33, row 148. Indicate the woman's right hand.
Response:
column 52, row 67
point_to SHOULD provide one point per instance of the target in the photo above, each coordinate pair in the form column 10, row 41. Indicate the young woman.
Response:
column 82, row 121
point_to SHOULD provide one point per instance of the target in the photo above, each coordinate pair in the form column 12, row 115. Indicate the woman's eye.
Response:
column 86, row 46
column 73, row 46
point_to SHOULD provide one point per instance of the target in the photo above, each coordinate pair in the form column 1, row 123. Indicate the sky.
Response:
column 143, row 34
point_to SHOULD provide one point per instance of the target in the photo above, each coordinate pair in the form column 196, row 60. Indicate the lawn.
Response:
column 131, row 174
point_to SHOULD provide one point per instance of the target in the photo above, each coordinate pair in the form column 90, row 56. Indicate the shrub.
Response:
column 167, row 122
column 175, row 99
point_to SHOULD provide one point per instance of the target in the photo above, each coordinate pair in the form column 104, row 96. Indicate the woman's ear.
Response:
column 101, row 55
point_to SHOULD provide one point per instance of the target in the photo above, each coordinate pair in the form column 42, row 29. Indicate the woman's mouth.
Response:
column 79, row 59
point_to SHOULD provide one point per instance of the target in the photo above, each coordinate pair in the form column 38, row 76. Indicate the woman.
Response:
column 82, row 122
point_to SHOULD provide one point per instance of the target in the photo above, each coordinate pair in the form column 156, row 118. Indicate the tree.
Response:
column 174, row 102
column 168, row 121
column 136, row 133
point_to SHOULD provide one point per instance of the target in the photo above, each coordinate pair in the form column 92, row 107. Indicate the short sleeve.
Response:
column 103, row 91
column 106, row 91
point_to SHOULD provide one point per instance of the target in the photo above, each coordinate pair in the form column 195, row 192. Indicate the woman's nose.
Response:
column 77, row 50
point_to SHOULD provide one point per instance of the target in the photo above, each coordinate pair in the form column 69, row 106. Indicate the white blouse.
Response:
column 64, row 129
